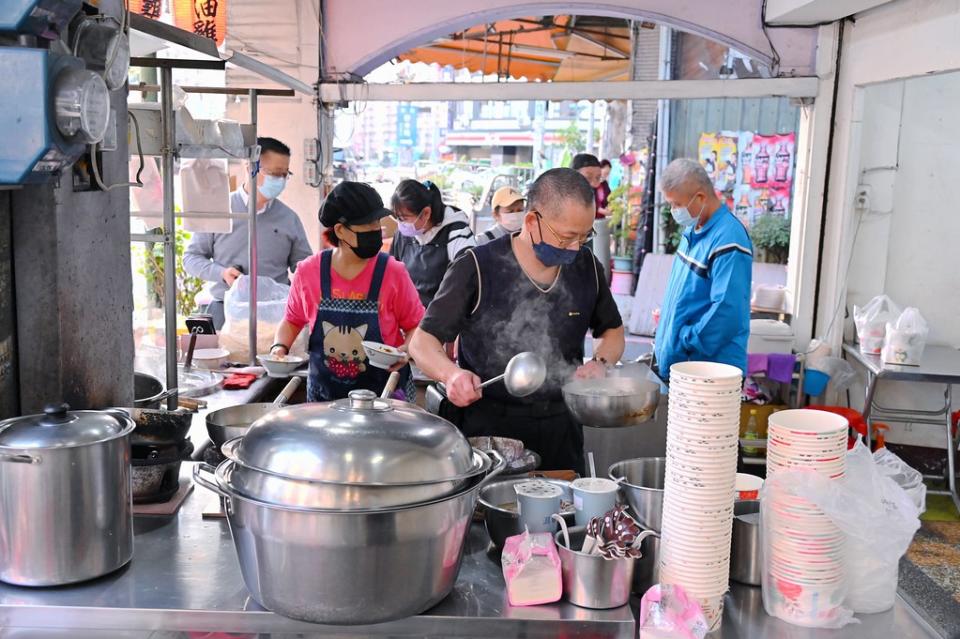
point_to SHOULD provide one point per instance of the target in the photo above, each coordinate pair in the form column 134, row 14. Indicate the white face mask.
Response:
column 683, row 217
column 512, row 221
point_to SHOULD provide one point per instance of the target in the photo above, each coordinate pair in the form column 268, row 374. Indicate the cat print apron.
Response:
column 338, row 363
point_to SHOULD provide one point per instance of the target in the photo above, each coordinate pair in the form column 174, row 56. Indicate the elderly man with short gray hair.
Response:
column 705, row 314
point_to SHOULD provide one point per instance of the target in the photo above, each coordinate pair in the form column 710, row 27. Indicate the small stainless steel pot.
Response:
column 590, row 581
column 642, row 480
column 745, row 565
column 66, row 513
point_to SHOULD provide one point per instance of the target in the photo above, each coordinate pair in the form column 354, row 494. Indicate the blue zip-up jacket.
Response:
column 706, row 311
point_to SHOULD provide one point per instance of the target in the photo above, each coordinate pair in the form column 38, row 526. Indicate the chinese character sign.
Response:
column 146, row 8
column 207, row 18
column 407, row 125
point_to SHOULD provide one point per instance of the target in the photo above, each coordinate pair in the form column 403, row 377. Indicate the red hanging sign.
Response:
column 207, row 18
column 146, row 8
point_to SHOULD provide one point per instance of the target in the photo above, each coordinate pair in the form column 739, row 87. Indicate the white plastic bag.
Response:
column 271, row 307
column 905, row 339
column 205, row 188
column 871, row 322
column 879, row 519
column 793, row 601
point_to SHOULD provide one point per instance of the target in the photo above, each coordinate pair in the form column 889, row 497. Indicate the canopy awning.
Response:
column 553, row 48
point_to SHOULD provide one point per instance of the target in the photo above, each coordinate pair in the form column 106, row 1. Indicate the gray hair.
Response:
column 685, row 174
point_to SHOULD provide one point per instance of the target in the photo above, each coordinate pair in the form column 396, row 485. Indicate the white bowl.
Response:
column 382, row 355
column 210, row 358
column 280, row 366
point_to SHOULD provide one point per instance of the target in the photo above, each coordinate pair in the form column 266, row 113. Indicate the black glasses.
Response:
column 561, row 241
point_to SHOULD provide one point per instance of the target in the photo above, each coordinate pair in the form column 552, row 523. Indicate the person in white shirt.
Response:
column 507, row 205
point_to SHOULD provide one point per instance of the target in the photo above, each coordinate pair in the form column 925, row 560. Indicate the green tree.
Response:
column 772, row 234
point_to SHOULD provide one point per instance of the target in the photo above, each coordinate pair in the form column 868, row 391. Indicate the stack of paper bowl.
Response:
column 700, row 483
column 804, row 580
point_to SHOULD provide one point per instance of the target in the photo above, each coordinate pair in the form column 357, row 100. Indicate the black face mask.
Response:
column 369, row 243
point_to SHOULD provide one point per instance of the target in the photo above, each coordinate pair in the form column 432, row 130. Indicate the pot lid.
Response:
column 60, row 427
column 359, row 440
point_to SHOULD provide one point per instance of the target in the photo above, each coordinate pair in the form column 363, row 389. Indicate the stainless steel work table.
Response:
column 939, row 365
column 185, row 577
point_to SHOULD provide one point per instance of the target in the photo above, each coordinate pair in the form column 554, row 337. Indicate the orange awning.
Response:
column 535, row 49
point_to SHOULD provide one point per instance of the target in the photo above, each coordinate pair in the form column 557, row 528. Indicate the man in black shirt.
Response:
column 538, row 291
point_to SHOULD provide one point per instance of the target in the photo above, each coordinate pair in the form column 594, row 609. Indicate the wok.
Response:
column 159, row 427
column 232, row 422
column 612, row 402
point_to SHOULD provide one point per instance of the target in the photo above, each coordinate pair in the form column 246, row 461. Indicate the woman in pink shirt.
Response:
column 348, row 295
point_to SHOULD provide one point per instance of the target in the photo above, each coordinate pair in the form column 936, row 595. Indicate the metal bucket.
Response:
column 647, row 570
column 745, row 565
column 590, row 581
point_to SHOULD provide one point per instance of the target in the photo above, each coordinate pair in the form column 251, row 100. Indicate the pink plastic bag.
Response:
column 667, row 612
column 531, row 568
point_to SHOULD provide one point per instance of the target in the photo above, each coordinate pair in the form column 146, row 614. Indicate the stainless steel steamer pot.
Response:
column 348, row 567
column 66, row 511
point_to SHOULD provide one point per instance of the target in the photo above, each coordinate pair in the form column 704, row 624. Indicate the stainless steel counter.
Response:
column 185, row 579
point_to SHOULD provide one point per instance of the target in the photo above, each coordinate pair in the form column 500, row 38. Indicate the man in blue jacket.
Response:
column 705, row 314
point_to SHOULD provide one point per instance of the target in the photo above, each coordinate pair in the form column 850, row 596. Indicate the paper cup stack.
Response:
column 703, row 427
column 804, row 579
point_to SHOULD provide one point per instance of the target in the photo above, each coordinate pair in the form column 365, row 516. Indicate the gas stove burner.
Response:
column 156, row 471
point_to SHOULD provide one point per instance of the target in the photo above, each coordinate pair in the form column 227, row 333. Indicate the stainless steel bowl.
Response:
column 350, row 568
column 642, row 481
column 503, row 521
column 612, row 402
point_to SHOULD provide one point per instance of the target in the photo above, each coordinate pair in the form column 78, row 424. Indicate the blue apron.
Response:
column 338, row 363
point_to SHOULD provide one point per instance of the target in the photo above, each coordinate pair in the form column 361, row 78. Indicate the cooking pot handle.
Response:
column 20, row 459
column 498, row 467
column 211, row 485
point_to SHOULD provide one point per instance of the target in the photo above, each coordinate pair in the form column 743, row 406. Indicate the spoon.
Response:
column 524, row 375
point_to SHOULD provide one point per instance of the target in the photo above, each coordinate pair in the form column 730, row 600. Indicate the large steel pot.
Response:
column 356, row 453
column 66, row 513
column 348, row 567
column 612, row 402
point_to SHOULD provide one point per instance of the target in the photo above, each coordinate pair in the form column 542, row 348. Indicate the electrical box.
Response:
column 51, row 108
column 44, row 18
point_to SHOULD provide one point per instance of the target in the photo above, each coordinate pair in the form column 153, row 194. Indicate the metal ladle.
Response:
column 524, row 375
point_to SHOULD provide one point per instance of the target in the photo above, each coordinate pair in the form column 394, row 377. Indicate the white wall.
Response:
column 903, row 245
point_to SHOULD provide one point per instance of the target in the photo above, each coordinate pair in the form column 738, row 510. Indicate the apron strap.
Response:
column 377, row 280
column 325, row 261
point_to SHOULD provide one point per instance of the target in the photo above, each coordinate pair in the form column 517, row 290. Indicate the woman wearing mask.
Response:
column 350, row 294
column 507, row 212
column 430, row 234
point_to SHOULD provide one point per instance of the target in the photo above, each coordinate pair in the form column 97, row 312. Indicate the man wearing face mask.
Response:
column 281, row 240
column 507, row 205
column 705, row 314
column 348, row 295
column 538, row 290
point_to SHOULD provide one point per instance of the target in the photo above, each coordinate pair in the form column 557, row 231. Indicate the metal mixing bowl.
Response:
column 642, row 481
column 502, row 522
column 612, row 402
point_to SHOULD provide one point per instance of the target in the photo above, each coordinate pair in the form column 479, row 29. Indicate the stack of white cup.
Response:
column 804, row 578
column 703, row 427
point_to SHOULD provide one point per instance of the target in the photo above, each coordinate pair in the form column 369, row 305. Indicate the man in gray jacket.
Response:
column 281, row 241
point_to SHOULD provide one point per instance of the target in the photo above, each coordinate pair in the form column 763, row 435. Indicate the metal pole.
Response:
column 168, row 132
column 252, row 230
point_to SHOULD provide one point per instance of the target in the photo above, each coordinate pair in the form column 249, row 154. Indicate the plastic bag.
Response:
column 667, row 612
column 798, row 603
column 879, row 518
column 205, row 188
column 271, row 307
column 839, row 370
column 531, row 569
column 905, row 339
column 871, row 322
column 909, row 479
